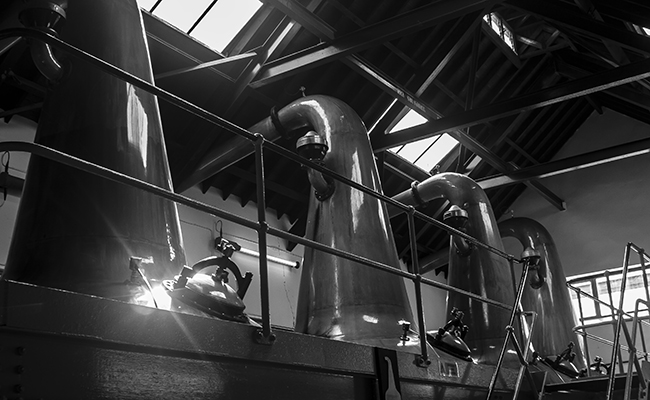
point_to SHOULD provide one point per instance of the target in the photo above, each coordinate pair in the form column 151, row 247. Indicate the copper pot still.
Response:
column 548, row 296
column 473, row 268
column 73, row 230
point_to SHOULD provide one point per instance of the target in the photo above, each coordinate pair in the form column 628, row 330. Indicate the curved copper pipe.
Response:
column 45, row 61
column 552, row 303
column 45, row 16
column 310, row 112
column 481, row 272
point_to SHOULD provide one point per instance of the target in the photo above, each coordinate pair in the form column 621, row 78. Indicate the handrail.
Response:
column 74, row 162
column 227, row 125
column 260, row 226
column 618, row 318
column 597, row 300
column 582, row 330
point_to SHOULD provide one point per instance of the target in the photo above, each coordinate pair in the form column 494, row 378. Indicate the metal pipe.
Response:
column 45, row 16
column 45, row 61
column 584, row 337
column 266, row 336
column 550, row 300
column 423, row 361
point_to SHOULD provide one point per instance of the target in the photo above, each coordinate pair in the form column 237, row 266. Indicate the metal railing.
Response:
column 618, row 322
column 265, row 335
column 510, row 336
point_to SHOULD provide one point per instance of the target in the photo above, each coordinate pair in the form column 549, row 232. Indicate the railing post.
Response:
column 423, row 360
column 619, row 321
column 263, row 336
column 584, row 334
column 513, row 315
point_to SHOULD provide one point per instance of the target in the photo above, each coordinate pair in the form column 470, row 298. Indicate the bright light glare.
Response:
column 409, row 120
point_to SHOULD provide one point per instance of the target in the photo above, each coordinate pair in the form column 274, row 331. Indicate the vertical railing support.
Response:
column 524, row 364
column 529, row 261
column 583, row 333
column 619, row 322
column 423, row 359
column 264, row 335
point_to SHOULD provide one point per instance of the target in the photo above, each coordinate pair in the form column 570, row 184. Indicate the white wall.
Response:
column 199, row 231
column 607, row 205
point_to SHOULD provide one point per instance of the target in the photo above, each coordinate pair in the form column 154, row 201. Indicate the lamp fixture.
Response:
column 228, row 247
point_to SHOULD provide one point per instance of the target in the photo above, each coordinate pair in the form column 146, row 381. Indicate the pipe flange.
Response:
column 275, row 120
column 419, row 201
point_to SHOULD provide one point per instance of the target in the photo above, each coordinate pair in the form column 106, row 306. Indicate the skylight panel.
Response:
column 216, row 29
column 181, row 13
column 502, row 30
column 436, row 152
column 425, row 153
column 409, row 120
column 224, row 21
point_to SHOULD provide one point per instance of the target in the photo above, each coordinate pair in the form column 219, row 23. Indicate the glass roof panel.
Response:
column 219, row 26
column 181, row 13
column 425, row 153
column 224, row 21
column 437, row 152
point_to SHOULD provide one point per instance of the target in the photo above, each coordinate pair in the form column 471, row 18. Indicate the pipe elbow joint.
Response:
column 46, row 16
column 322, row 184
column 46, row 62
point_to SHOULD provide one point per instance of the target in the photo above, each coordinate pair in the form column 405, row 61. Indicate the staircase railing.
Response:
column 618, row 321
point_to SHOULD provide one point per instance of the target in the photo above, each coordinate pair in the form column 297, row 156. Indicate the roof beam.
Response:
column 204, row 65
column 630, row 12
column 570, row 90
column 435, row 63
column 409, row 99
column 401, row 25
column 575, row 21
column 570, row 164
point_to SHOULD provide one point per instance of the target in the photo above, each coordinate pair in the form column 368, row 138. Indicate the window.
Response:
column 424, row 153
column 501, row 28
column 608, row 289
column 213, row 22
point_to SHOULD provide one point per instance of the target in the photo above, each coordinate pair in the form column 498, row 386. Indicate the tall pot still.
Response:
column 474, row 269
column 550, row 299
column 75, row 231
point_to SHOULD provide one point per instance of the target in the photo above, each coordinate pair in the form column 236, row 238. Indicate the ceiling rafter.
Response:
column 373, row 35
column 558, row 167
column 562, row 92
column 435, row 63
column 568, row 18
column 632, row 12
